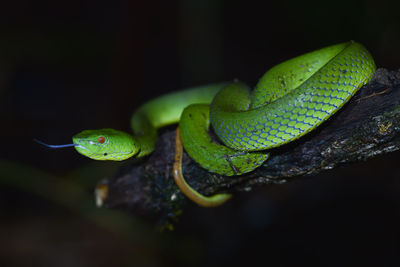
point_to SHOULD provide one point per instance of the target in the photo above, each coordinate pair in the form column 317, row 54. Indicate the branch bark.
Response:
column 367, row 126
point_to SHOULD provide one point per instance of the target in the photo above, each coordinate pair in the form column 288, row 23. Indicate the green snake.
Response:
column 290, row 100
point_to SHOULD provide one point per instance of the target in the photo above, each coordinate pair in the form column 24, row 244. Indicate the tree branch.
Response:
column 367, row 126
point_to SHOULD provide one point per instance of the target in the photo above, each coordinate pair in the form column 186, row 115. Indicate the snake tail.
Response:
column 186, row 189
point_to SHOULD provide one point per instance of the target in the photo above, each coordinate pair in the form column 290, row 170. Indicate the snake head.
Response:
column 105, row 144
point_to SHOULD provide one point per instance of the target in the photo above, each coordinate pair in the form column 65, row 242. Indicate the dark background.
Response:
column 71, row 65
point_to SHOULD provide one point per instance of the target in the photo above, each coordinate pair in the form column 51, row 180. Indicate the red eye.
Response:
column 101, row 139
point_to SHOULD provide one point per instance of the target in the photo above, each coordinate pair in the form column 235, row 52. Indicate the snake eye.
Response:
column 101, row 140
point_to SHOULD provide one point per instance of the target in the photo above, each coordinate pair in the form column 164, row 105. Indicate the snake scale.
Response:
column 290, row 100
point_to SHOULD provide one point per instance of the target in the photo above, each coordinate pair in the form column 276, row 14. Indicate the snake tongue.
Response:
column 57, row 146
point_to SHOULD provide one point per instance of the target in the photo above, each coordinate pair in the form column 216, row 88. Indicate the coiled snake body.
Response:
column 290, row 100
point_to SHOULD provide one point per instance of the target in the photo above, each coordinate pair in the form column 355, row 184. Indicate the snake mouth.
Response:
column 77, row 145
column 80, row 146
column 83, row 143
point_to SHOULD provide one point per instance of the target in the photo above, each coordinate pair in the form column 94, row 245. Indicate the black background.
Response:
column 73, row 65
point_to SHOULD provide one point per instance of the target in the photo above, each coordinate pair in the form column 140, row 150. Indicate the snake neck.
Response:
column 166, row 110
column 145, row 134
column 147, row 145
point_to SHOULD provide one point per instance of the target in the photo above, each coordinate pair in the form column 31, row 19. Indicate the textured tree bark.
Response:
column 367, row 126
